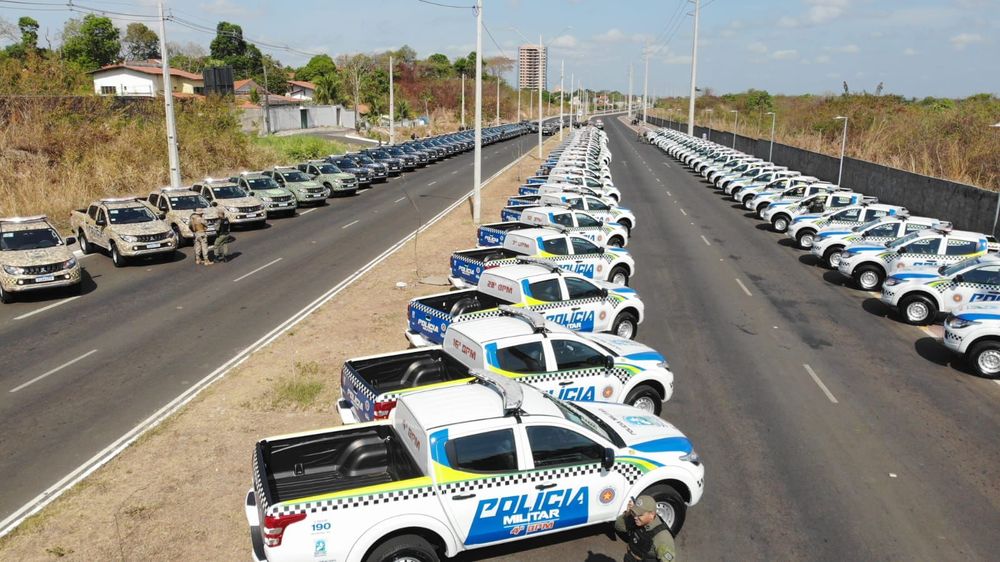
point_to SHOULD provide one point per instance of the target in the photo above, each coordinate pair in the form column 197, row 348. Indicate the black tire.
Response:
column 75, row 290
column 646, row 398
column 181, row 242
column 666, row 494
column 861, row 276
column 917, row 309
column 404, row 546
column 626, row 320
column 6, row 297
column 619, row 271
column 760, row 209
column 85, row 246
column 116, row 257
column 616, row 242
column 981, row 358
column 627, row 224
column 828, row 256
column 780, row 223
column 805, row 238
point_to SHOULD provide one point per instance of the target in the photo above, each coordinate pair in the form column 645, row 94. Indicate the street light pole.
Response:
column 645, row 87
column 498, row 99
column 843, row 149
column 770, row 150
column 694, row 67
column 392, row 108
column 477, row 171
column 540, row 86
column 562, row 94
column 709, row 111
column 736, row 124
column 173, row 157
column 463, row 103
column 630, row 92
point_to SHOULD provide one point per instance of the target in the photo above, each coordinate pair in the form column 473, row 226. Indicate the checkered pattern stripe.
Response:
column 629, row 471
column 617, row 372
column 258, row 485
column 359, row 386
column 430, row 311
column 484, row 483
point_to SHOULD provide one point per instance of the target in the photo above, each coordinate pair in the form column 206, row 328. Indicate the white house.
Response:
column 301, row 90
column 144, row 78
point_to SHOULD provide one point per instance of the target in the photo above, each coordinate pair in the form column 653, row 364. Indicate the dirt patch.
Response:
column 178, row 492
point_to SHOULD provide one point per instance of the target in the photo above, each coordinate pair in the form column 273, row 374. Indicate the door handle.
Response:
column 545, row 486
column 565, row 383
column 463, row 497
column 576, row 308
column 579, row 261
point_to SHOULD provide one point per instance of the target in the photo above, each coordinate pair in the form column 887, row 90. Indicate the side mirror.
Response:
column 604, row 293
column 958, row 278
column 71, row 240
column 901, row 250
column 608, row 460
column 215, row 203
column 100, row 222
column 161, row 215
column 609, row 362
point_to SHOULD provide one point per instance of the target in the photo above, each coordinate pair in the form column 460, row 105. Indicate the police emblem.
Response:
column 607, row 496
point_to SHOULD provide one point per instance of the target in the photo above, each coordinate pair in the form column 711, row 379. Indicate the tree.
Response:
column 230, row 47
column 327, row 89
column 319, row 65
column 92, row 42
column 499, row 64
column 29, row 33
column 277, row 76
column 437, row 66
column 405, row 54
column 403, row 110
column 254, row 96
column 353, row 68
column 467, row 65
column 140, row 43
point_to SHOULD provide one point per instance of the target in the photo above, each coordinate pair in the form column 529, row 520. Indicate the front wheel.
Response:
column 177, row 234
column 116, row 257
column 670, row 506
column 626, row 325
column 869, row 277
column 619, row 275
column 918, row 309
column 985, row 359
column 6, row 297
column 805, row 239
column 85, row 246
column 832, row 256
column 408, row 548
column 616, row 242
column 780, row 223
column 645, row 399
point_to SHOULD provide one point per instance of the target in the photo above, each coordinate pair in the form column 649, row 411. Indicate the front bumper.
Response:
column 246, row 218
column 845, row 267
column 417, row 340
column 278, row 207
column 25, row 283
column 952, row 340
column 134, row 249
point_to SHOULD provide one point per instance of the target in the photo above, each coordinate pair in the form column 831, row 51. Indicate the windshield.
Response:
column 130, row 215
column 228, row 192
column 295, row 176
column 328, row 169
column 582, row 418
column 949, row 270
column 867, row 225
column 261, row 183
column 364, row 159
column 904, row 240
column 346, row 163
column 396, row 151
column 34, row 239
column 188, row 202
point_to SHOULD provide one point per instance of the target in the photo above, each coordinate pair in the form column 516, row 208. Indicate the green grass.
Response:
column 296, row 148
column 299, row 390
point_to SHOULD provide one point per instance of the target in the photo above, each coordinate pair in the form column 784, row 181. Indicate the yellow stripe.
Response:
column 369, row 490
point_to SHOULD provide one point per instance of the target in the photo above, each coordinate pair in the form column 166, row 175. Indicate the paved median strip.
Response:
column 56, row 370
column 820, row 384
column 268, row 264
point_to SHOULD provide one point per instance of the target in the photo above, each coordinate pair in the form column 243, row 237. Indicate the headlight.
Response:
column 128, row 238
column 892, row 282
column 847, row 254
column 13, row 270
column 692, row 458
column 69, row 264
column 232, row 209
column 663, row 365
column 956, row 323
column 267, row 199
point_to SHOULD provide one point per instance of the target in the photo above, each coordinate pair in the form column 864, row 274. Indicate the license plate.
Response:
column 151, row 246
column 45, row 278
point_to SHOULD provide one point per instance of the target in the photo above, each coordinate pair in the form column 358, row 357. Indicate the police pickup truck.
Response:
column 277, row 200
column 599, row 208
column 566, row 298
column 804, row 227
column 570, row 252
column 558, row 217
column 781, row 213
column 307, row 191
column 519, row 344
column 921, row 295
column 125, row 227
column 759, row 178
column 869, row 264
column 758, row 198
column 607, row 192
column 831, row 240
column 459, row 468
column 33, row 256
column 973, row 330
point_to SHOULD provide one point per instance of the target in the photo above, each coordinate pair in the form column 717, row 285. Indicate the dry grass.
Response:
column 944, row 138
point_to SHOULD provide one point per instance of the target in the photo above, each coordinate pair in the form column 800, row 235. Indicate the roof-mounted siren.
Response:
column 532, row 318
column 510, row 391
column 943, row 227
column 901, row 212
column 868, row 199
column 128, row 199
column 20, row 220
column 528, row 260
column 169, row 189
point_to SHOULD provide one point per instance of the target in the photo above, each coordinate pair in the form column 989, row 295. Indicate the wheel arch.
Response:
column 429, row 528
column 922, row 293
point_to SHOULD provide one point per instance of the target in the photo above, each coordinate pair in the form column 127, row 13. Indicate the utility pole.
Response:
column 540, row 86
column 267, row 105
column 645, row 87
column 562, row 94
column 572, row 94
column 694, row 67
column 392, row 108
column 531, row 105
column 517, row 77
column 498, row 99
column 463, row 102
column 173, row 158
column 477, row 173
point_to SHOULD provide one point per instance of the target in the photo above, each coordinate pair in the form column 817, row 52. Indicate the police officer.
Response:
column 648, row 537
column 199, row 227
column 222, row 240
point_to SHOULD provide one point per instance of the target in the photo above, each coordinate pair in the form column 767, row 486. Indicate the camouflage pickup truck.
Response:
column 33, row 257
column 306, row 191
column 175, row 206
column 277, row 200
column 332, row 177
column 239, row 206
column 125, row 227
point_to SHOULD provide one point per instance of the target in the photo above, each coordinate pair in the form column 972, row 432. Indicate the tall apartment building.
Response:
column 532, row 66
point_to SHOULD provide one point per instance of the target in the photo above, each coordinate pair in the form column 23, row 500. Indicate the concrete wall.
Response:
column 967, row 207
column 289, row 117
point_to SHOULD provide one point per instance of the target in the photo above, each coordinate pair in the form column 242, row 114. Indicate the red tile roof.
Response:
column 302, row 84
column 150, row 69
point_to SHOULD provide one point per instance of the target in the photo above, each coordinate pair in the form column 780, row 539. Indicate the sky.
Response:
column 916, row 48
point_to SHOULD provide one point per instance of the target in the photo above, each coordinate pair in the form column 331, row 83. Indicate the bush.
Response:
column 298, row 148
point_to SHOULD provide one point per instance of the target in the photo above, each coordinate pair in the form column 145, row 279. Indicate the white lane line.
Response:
column 705, row 240
column 306, row 212
column 820, row 384
column 268, row 264
column 667, row 165
column 432, row 183
column 44, row 308
column 455, row 172
column 658, row 180
column 670, row 194
column 874, row 294
column 398, row 200
column 683, row 211
column 350, row 224
column 59, row 368
column 744, row 287
column 996, row 381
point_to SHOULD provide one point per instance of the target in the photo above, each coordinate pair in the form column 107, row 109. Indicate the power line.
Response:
column 497, row 45
column 446, row 5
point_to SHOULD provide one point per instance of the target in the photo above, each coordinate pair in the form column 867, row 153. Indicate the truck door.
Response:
column 100, row 223
column 587, row 258
column 591, row 228
column 587, row 307
column 582, row 373
column 979, row 284
column 922, row 252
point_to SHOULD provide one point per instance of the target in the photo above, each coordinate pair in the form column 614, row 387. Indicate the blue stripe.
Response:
column 645, row 356
column 981, row 316
column 665, row 445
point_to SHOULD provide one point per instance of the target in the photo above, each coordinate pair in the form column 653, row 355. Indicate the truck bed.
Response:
column 430, row 316
column 300, row 467
column 493, row 234
column 400, row 371
column 513, row 213
column 468, row 265
column 518, row 201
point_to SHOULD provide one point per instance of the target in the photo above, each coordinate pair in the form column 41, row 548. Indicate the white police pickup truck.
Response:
column 609, row 192
column 869, row 264
column 558, row 217
column 570, row 252
column 564, row 297
column 781, row 214
column 796, row 191
column 919, row 295
column 459, row 468
column 804, row 227
column 831, row 240
column 518, row 344
column 973, row 331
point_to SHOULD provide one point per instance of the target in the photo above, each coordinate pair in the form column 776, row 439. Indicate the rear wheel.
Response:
column 626, row 326
column 917, row 309
column 619, row 275
column 985, row 359
column 805, row 238
column 869, row 277
column 405, row 548
column 760, row 209
column 646, row 399
column 6, row 297
column 670, row 506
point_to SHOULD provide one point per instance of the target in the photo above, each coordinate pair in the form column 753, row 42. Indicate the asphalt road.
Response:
column 829, row 430
column 140, row 336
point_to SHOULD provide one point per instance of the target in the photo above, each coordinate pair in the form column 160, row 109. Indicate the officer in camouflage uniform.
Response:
column 200, row 229
column 648, row 537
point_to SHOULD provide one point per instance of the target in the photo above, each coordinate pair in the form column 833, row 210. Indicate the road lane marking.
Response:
column 306, row 212
column 820, row 384
column 928, row 331
column 705, row 240
column 398, row 200
column 670, row 194
column 350, row 224
column 744, row 287
column 658, row 180
column 268, row 264
column 57, row 369
column 996, row 381
column 683, row 211
column 44, row 308
column 455, row 172
column 666, row 164
column 432, row 183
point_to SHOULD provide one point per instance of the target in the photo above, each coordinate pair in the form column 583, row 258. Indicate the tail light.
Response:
column 382, row 409
column 274, row 526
